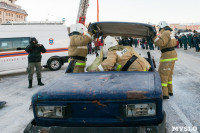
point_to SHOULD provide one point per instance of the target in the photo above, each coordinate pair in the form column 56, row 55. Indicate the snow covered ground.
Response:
column 183, row 109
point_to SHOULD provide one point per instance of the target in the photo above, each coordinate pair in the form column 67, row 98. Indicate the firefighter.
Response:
column 166, row 42
column 120, row 58
column 129, row 47
column 79, row 39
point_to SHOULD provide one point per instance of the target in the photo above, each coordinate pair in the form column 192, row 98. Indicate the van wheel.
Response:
column 54, row 64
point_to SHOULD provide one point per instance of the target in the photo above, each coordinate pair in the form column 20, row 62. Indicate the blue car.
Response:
column 103, row 102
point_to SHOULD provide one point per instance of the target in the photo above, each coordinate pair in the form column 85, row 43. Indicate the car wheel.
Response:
column 54, row 64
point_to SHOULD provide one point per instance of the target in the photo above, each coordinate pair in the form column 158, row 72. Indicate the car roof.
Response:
column 126, row 29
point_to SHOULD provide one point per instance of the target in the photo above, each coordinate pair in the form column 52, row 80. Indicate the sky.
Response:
column 144, row 11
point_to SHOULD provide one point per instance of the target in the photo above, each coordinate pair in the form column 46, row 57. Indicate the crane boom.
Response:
column 83, row 6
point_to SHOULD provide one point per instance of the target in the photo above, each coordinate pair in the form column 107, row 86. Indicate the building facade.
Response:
column 189, row 26
column 9, row 11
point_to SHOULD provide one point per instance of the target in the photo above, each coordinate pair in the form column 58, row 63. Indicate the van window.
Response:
column 12, row 44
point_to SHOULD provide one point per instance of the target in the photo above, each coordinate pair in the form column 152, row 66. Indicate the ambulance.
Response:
column 15, row 37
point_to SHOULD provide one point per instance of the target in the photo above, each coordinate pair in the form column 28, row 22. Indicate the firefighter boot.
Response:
column 30, row 84
column 40, row 82
column 170, row 89
column 165, row 93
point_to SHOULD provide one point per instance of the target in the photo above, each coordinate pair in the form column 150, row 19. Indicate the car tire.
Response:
column 54, row 64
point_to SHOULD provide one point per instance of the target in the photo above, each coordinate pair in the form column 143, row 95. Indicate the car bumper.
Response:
column 160, row 128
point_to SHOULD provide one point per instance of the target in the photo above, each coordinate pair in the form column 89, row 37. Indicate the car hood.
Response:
column 128, row 29
column 102, row 86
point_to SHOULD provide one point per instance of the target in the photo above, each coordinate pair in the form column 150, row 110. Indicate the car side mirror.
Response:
column 19, row 48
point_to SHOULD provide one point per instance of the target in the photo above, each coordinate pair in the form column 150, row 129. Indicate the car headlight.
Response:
column 137, row 110
column 49, row 111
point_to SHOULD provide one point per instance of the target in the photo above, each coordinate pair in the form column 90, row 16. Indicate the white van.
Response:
column 14, row 38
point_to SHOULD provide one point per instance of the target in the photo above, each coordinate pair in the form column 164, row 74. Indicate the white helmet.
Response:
column 162, row 24
column 108, row 42
column 78, row 27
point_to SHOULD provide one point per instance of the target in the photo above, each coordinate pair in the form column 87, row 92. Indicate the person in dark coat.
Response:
column 184, row 41
column 89, row 48
column 34, row 60
column 177, row 43
column 179, row 40
column 151, row 47
column 131, row 41
column 135, row 41
column 196, row 42
column 142, row 43
column 190, row 39
column 146, row 45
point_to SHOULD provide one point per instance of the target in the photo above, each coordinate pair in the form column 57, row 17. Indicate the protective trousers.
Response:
column 79, row 66
column 30, row 70
column 166, row 71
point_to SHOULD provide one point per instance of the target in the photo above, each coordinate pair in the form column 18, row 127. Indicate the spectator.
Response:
column 179, row 40
column 93, row 47
column 190, row 40
column 89, row 48
column 131, row 41
column 100, row 43
column 96, row 46
column 142, row 43
column 177, row 43
column 196, row 42
column 184, row 41
column 146, row 44
column 34, row 60
column 151, row 47
column 135, row 41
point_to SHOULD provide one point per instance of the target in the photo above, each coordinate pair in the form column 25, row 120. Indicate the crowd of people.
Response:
column 188, row 40
column 93, row 47
column 182, row 41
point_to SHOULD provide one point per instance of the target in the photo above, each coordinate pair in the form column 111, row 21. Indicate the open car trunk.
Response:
column 127, row 29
